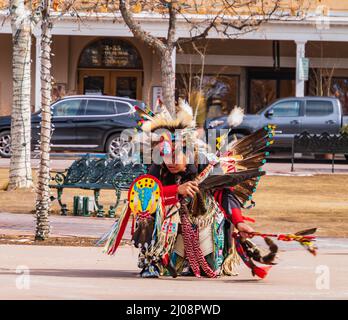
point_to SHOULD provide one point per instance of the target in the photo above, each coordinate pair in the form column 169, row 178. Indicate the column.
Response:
column 300, row 53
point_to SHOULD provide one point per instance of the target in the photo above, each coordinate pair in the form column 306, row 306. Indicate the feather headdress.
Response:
column 236, row 116
column 164, row 120
column 237, row 163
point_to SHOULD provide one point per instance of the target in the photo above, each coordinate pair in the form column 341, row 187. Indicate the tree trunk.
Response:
column 20, row 169
column 43, row 190
column 164, row 49
column 168, row 80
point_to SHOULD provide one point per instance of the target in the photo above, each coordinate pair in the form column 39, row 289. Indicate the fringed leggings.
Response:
column 193, row 251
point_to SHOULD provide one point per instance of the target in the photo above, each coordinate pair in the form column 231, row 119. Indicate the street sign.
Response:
column 157, row 93
column 304, row 69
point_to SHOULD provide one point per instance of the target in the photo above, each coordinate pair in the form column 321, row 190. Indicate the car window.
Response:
column 317, row 108
column 122, row 107
column 99, row 107
column 286, row 109
column 66, row 108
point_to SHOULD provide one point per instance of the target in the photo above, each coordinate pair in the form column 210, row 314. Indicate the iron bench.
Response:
column 321, row 144
column 93, row 172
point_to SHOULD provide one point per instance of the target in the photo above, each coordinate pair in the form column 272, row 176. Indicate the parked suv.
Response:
column 291, row 116
column 81, row 123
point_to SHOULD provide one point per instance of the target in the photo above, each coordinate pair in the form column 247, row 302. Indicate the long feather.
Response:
column 306, row 232
column 116, row 233
column 229, row 180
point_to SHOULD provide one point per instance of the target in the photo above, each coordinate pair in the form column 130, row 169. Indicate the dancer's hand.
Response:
column 245, row 230
column 188, row 189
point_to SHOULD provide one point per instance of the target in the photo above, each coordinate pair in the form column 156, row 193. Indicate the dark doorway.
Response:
column 267, row 84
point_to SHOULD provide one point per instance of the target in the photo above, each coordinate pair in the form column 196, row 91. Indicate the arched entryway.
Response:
column 111, row 67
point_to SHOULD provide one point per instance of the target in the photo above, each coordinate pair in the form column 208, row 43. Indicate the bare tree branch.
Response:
column 136, row 29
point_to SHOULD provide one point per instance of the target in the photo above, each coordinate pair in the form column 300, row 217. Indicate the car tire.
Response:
column 5, row 144
column 346, row 155
column 116, row 148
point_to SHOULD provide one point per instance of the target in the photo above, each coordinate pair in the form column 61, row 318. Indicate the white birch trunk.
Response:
column 43, row 190
column 20, row 169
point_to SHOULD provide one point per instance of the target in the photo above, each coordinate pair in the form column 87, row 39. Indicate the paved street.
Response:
column 86, row 273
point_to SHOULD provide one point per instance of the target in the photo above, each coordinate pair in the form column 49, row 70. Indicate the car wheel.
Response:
column 117, row 148
column 346, row 155
column 5, row 144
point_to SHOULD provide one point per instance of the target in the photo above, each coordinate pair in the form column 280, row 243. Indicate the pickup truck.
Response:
column 291, row 116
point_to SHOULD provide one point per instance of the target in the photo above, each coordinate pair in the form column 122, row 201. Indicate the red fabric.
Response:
column 170, row 194
column 218, row 199
column 133, row 225
column 236, row 216
column 249, row 219
column 165, row 259
column 261, row 272
column 120, row 232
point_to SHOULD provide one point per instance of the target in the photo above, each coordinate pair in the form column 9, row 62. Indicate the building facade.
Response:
column 101, row 56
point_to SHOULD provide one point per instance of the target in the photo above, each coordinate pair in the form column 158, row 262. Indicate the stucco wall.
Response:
column 6, row 74
column 60, row 60
column 67, row 50
column 150, row 64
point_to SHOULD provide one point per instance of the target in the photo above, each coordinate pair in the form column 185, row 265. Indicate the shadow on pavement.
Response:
column 115, row 274
column 76, row 273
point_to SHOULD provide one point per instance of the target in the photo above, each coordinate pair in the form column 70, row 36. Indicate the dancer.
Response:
column 186, row 211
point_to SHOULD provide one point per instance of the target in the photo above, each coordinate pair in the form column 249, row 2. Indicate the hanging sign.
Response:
column 304, row 69
column 156, row 94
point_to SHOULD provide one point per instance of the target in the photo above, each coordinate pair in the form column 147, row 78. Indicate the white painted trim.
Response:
column 105, row 25
column 300, row 53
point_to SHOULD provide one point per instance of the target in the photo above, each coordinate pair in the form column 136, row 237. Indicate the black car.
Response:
column 81, row 123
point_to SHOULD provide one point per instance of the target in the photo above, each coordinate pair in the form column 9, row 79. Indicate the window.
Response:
column 265, row 85
column 66, row 108
column 110, row 53
column 100, row 107
column 122, row 107
column 286, row 109
column 339, row 90
column 318, row 108
column 215, row 96
column 262, row 93
column 93, row 85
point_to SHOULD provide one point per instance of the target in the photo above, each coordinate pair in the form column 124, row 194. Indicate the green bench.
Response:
column 96, row 173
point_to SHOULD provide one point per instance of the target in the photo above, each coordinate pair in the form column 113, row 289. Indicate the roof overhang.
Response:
column 313, row 28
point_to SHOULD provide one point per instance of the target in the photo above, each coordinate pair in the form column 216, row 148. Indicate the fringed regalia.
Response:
column 179, row 235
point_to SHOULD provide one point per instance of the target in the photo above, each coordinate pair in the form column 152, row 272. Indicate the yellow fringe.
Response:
column 231, row 263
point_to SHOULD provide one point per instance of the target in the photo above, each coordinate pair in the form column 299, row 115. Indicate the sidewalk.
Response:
column 70, row 226
column 61, row 226
column 87, row 273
